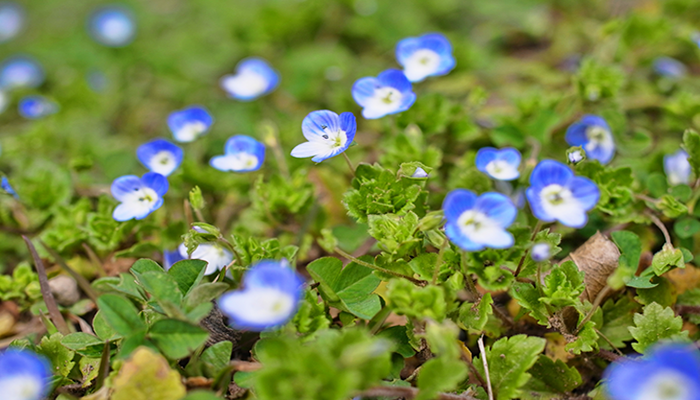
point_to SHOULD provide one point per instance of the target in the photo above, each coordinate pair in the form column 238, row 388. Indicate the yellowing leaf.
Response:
column 146, row 375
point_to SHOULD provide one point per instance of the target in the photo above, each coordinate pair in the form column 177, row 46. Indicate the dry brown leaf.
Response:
column 598, row 258
column 684, row 279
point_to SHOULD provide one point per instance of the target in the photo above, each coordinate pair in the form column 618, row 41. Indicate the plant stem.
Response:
column 482, row 349
column 49, row 300
column 82, row 282
column 661, row 227
column 441, row 254
column 347, row 160
column 598, row 299
column 527, row 251
column 347, row 256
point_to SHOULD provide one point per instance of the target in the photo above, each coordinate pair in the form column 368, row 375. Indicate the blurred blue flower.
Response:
column 541, row 252
column 20, row 72
column 216, row 256
column 190, row 123
column 499, row 164
column 670, row 371
column 593, row 134
column 328, row 135
column 575, row 156
column 36, row 107
column 160, row 156
column 389, row 93
column 5, row 185
column 556, row 194
column 670, row 67
column 269, row 298
column 677, row 168
column 474, row 223
column 170, row 257
column 419, row 173
column 138, row 196
column 424, row 56
column 253, row 78
column 242, row 154
column 97, row 81
column 11, row 20
column 112, row 26
column 24, row 375
column 695, row 37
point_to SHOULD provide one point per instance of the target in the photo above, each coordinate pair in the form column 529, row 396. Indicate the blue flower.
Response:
column 170, row 257
column 20, row 72
column 11, row 20
column 24, row 375
column 189, row 124
column 592, row 133
column 499, row 164
column 328, row 135
column 138, row 196
column 389, row 93
column 36, row 107
column 419, row 173
column 269, row 298
column 253, row 78
column 5, row 185
column 670, row 67
column 160, row 156
column 474, row 223
column 242, row 154
column 541, row 252
column 112, row 26
column 424, row 56
column 216, row 256
column 677, row 168
column 556, row 194
column 670, row 371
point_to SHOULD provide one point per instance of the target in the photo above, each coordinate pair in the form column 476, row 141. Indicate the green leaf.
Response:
column 691, row 144
column 196, row 199
column 617, row 318
column 529, row 298
column 83, row 343
column 164, row 290
column 102, row 328
column 120, row 314
column 586, row 340
column 662, row 294
column 549, row 376
column 417, row 302
column 177, row 339
column 440, row 374
column 60, row 357
column 656, row 323
column 563, row 285
column 204, row 293
column 666, row 259
column 474, row 316
column 397, row 334
column 145, row 265
column 350, row 287
column 216, row 357
column 630, row 246
column 671, row 207
column 690, row 297
column 187, row 274
column 508, row 360
column 201, row 395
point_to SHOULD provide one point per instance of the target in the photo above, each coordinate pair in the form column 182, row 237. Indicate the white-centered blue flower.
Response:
column 499, row 164
column 677, row 168
column 669, row 371
column 170, row 257
column 160, row 156
column 11, row 20
column 269, row 298
column 424, row 56
column 670, row 67
column 389, row 93
column 5, row 185
column 112, row 26
column 252, row 79
column 20, row 72
column 556, row 194
column 593, row 134
column 36, row 107
column 24, row 375
column 242, row 154
column 138, row 196
column 475, row 222
column 216, row 256
column 541, row 252
column 190, row 123
column 328, row 135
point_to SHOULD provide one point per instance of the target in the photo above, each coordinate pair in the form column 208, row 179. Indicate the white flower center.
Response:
column 421, row 63
column 190, row 131
column 163, row 163
column 22, row 387
column 598, row 137
column 666, row 385
column 479, row 228
column 334, row 139
column 242, row 161
column 501, row 169
column 261, row 306
column 385, row 100
column 246, row 84
column 116, row 29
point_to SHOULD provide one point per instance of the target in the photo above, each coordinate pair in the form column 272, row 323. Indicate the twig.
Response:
column 609, row 355
column 596, row 303
column 54, row 312
column 95, row 260
column 245, row 366
column 408, row 393
column 486, row 366
column 609, row 342
column 688, row 309
column 527, row 251
column 418, row 282
column 84, row 284
column 104, row 366
column 661, row 227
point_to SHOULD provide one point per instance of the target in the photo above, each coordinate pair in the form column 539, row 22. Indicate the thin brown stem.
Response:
column 596, row 303
column 347, row 160
column 418, row 282
column 661, row 227
column 82, row 282
column 54, row 312
column 609, row 342
column 527, row 251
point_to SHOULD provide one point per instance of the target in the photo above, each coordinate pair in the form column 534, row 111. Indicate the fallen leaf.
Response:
column 598, row 258
column 146, row 375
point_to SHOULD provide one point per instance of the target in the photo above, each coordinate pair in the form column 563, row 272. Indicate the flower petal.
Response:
column 497, row 207
column 124, row 186
column 157, row 182
column 548, row 172
column 457, row 202
column 317, row 123
column 458, row 237
column 585, row 191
